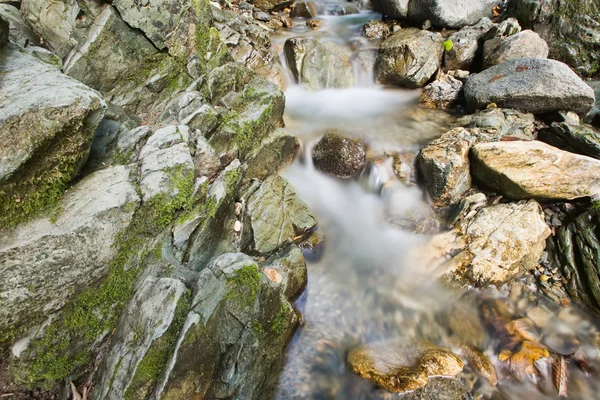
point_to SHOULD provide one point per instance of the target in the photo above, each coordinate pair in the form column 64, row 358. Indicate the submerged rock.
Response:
column 46, row 128
column 409, row 58
column 525, row 44
column 531, row 85
column 338, row 155
column 521, row 170
column 494, row 246
column 277, row 216
column 400, row 367
column 450, row 14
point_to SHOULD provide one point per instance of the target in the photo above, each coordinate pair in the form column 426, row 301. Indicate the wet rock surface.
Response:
column 450, row 14
column 525, row 44
column 338, row 155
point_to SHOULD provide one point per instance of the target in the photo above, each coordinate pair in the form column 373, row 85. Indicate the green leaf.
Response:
column 448, row 45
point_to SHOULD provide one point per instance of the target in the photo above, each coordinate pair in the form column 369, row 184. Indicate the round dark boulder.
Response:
column 338, row 155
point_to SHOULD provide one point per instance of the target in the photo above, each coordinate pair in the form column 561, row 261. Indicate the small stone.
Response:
column 273, row 275
column 314, row 24
column 237, row 226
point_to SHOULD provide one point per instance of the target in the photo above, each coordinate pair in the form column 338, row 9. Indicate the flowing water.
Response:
column 366, row 284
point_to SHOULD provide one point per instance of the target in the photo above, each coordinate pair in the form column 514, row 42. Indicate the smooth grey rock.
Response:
column 465, row 44
column 409, row 58
column 19, row 32
column 451, row 13
column 143, row 332
column 319, row 64
column 275, row 152
column 43, row 263
column 304, row 9
column 165, row 161
column 241, row 320
column 338, row 155
column 494, row 246
column 525, row 44
column 45, row 56
column 445, row 92
column 205, row 120
column 47, row 122
column 130, row 139
column 534, row 169
column 392, row 8
column 53, row 20
column 277, row 216
column 531, row 85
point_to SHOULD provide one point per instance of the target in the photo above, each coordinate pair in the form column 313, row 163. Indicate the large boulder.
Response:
column 319, row 64
column 531, row 85
column 520, row 170
column 451, row 14
column 46, row 128
column 45, row 262
column 276, row 216
column 496, row 245
column 409, row 58
column 392, row 8
column 525, row 44
column 53, row 20
column 465, row 45
column 569, row 27
column 19, row 32
column 338, row 155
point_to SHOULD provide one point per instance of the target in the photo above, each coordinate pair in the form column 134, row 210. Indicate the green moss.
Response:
column 156, row 358
column 66, row 344
column 122, row 157
column 280, row 320
column 246, row 284
column 258, row 329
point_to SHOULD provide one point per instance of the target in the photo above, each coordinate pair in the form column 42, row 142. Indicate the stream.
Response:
column 365, row 282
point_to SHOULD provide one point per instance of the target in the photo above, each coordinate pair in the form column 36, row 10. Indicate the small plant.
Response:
column 448, row 45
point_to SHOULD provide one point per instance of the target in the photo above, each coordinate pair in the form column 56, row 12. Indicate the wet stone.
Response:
column 338, row 155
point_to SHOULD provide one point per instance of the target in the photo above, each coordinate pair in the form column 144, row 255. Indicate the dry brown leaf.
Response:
column 559, row 374
column 522, row 330
column 494, row 79
column 496, row 11
column 521, row 361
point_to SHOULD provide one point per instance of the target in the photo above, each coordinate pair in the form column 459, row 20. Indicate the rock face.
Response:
column 304, row 9
column 46, row 127
column 451, row 14
column 593, row 117
column 531, row 85
column 568, row 26
column 54, row 20
column 35, row 282
column 319, row 64
column 465, row 44
column 575, row 138
column 446, row 92
column 525, row 44
column 534, row 169
column 340, row 156
column 392, row 8
column 277, row 216
column 3, row 32
column 399, row 367
column 409, row 58
column 494, row 246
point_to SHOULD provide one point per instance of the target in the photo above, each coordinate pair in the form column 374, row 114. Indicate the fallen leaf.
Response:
column 559, row 374
column 496, row 11
column 521, row 361
column 522, row 330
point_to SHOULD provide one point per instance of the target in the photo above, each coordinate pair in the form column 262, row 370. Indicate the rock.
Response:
column 450, row 14
column 304, row 9
column 504, row 29
column 340, row 156
column 290, row 268
column 409, row 58
column 376, row 29
column 206, row 161
column 577, row 247
column 535, row 170
column 569, row 27
column 392, row 8
column 272, row 5
column 45, row 262
column 444, row 167
column 593, row 117
column 276, row 151
column 276, row 216
column 343, row 9
column 525, row 44
column 319, row 64
column 500, row 122
column 242, row 321
column 414, row 216
column 166, row 164
column 465, row 44
column 45, row 56
column 531, row 85
column 492, row 247
column 129, row 140
column 19, row 32
column 581, row 139
column 53, row 20
column 399, row 367
column 445, row 92
column 3, row 32
column 143, row 342
column 46, row 127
